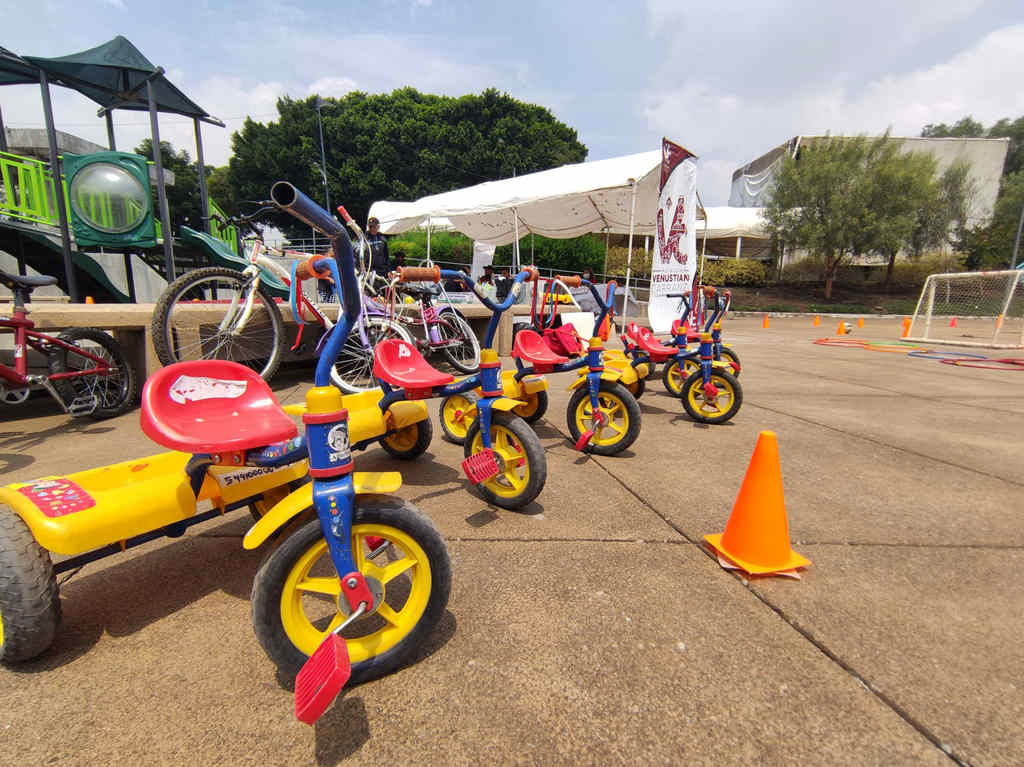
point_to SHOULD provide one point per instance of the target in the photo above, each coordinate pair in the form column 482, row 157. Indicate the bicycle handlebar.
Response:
column 573, row 281
column 419, row 274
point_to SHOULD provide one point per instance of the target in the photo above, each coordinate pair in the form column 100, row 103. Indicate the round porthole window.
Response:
column 109, row 198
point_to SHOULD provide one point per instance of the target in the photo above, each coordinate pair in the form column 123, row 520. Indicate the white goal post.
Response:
column 971, row 309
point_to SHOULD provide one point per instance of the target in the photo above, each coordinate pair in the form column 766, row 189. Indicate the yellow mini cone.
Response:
column 756, row 537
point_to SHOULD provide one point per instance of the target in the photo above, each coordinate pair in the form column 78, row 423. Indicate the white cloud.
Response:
column 727, row 130
column 332, row 87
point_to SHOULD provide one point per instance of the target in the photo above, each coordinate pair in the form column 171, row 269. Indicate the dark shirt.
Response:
column 380, row 259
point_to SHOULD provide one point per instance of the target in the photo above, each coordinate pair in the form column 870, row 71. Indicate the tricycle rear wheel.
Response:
column 29, row 603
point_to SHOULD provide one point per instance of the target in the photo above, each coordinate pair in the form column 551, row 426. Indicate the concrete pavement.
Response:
column 593, row 627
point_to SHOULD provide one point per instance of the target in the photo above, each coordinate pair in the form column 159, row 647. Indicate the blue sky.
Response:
column 728, row 80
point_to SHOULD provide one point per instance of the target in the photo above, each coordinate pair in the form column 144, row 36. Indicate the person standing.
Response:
column 380, row 258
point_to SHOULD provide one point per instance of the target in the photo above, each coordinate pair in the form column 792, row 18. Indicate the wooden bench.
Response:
column 130, row 325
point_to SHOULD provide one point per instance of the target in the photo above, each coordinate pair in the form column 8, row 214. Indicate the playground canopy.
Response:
column 114, row 75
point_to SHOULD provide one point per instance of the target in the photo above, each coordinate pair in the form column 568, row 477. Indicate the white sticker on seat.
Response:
column 196, row 388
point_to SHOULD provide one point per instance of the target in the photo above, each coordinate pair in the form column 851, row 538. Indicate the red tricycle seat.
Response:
column 531, row 347
column 691, row 335
column 647, row 342
column 399, row 364
column 212, row 406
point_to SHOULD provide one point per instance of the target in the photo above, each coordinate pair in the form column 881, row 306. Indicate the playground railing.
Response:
column 26, row 189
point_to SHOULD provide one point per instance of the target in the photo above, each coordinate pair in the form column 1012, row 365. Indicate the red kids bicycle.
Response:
column 88, row 374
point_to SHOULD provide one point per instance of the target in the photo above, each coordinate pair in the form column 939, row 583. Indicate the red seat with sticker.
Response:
column 399, row 364
column 212, row 406
column 530, row 346
column 647, row 342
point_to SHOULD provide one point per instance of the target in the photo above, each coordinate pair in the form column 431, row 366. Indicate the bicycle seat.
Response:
column 12, row 281
column 398, row 363
column 531, row 347
column 420, row 289
column 212, row 406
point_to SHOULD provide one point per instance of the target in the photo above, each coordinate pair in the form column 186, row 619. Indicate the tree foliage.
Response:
column 968, row 127
column 183, row 197
column 843, row 196
column 397, row 146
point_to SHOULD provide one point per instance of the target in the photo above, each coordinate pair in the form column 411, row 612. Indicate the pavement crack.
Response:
column 564, row 539
column 879, row 442
column 912, row 545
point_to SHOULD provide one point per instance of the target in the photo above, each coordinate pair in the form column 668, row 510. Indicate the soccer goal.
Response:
column 971, row 309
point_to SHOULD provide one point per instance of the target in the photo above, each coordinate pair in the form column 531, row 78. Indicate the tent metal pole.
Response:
column 58, row 189
column 204, row 199
column 629, row 259
column 429, row 223
column 110, row 131
column 739, row 245
column 515, row 248
column 161, row 190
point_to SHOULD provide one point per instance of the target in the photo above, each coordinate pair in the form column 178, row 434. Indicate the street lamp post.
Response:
column 323, row 156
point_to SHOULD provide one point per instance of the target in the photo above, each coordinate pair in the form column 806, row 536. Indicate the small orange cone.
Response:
column 88, row 300
column 906, row 327
column 817, row 320
column 765, row 323
column 842, row 329
column 999, row 322
column 756, row 537
column 952, row 322
column 860, row 322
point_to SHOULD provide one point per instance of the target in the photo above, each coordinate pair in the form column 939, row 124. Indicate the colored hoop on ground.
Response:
column 852, row 343
column 1007, row 363
column 931, row 354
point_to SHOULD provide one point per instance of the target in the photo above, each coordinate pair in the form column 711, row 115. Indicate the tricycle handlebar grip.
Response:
column 419, row 274
column 572, row 282
column 533, row 272
column 344, row 214
column 307, row 270
column 709, row 290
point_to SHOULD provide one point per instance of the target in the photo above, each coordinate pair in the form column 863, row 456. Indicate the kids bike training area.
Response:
column 594, row 624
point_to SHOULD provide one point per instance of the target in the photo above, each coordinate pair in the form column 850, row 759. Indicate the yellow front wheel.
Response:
column 296, row 596
column 716, row 405
column 523, row 467
column 456, row 413
column 621, row 416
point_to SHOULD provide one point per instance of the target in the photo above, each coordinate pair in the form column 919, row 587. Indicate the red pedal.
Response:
column 584, row 439
column 481, row 466
column 710, row 392
column 321, row 679
column 374, row 543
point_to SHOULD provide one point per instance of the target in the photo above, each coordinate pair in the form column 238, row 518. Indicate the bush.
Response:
column 444, row 246
column 571, row 255
column 735, row 272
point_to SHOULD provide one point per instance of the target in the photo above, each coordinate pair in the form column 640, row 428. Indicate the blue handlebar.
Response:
column 496, row 309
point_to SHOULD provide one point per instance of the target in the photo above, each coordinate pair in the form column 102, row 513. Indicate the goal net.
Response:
column 971, row 309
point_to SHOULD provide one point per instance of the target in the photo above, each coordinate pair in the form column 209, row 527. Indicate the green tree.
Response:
column 183, row 197
column 218, row 186
column 991, row 246
column 821, row 200
column 1013, row 130
column 965, row 127
column 397, row 146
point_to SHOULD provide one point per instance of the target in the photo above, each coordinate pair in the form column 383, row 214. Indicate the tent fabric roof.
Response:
column 113, row 75
column 723, row 221
column 562, row 202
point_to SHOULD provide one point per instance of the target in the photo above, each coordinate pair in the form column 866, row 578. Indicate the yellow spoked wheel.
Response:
column 522, row 465
column 409, row 441
column 535, row 405
column 673, row 378
column 297, row 597
column 621, row 415
column 456, row 413
column 720, row 406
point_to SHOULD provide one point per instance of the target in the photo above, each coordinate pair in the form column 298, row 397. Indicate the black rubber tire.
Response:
column 370, row 509
column 461, row 325
column 638, row 388
column 632, row 412
column 118, row 393
column 29, row 602
column 535, row 457
column 538, row 412
column 424, row 434
column 697, row 379
column 729, row 355
column 173, row 292
column 447, row 434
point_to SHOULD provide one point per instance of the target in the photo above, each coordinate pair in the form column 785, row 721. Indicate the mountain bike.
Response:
column 88, row 372
column 220, row 313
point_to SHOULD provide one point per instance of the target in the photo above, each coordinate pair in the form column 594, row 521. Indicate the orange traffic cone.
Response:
column 765, row 323
column 906, row 327
column 842, row 329
column 952, row 322
column 88, row 300
column 817, row 320
column 756, row 537
column 999, row 322
column 860, row 322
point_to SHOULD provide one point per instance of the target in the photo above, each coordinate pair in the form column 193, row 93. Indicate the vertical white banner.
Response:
column 675, row 244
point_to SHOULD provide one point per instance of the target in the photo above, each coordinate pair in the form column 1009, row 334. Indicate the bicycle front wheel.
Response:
column 353, row 370
column 464, row 351
column 219, row 314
